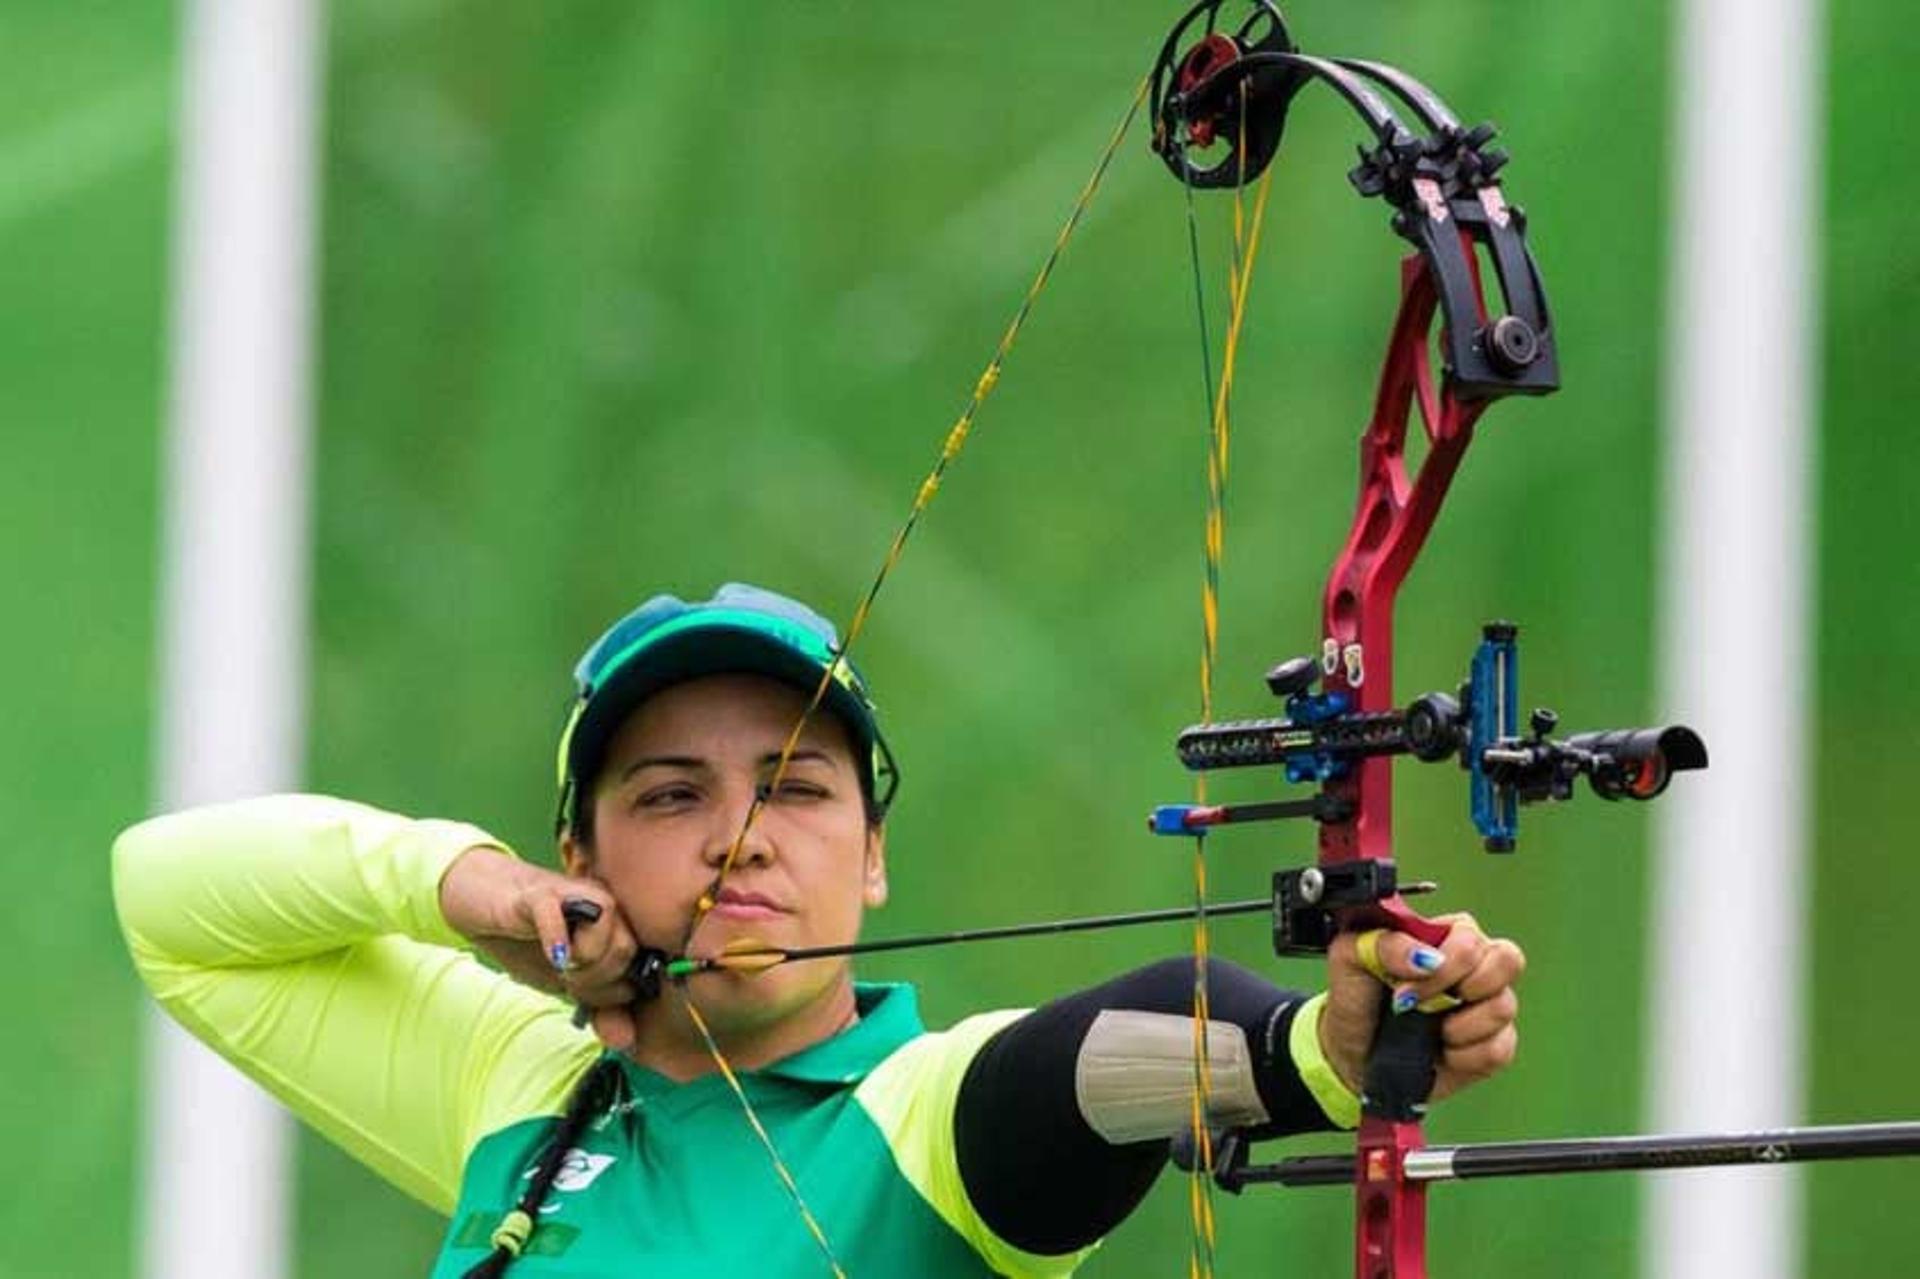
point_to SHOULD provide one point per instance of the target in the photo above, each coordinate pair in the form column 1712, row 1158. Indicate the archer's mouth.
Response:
column 743, row 906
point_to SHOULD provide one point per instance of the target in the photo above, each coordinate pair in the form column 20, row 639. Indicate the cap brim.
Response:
column 693, row 654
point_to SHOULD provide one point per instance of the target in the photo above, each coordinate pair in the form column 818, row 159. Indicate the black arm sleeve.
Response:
column 1040, row 1176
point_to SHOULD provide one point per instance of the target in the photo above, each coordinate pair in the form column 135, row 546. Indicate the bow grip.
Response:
column 1405, row 1057
column 1402, row 1065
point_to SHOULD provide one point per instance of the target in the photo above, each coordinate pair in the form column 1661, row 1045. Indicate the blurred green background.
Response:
column 623, row 297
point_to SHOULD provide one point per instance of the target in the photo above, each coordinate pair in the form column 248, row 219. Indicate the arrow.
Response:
column 757, row 958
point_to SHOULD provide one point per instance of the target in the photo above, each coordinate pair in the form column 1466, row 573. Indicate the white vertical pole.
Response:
column 1729, row 882
column 234, row 577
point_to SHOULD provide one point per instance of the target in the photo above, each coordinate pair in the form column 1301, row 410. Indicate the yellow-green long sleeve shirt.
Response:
column 301, row 937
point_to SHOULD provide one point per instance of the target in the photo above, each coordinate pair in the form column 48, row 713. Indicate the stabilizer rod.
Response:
column 1599, row 1154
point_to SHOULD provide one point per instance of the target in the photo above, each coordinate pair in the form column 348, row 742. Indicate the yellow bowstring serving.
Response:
column 950, row 449
column 1246, row 246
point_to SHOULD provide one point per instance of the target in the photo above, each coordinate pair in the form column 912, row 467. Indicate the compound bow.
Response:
column 1225, row 93
column 1230, row 91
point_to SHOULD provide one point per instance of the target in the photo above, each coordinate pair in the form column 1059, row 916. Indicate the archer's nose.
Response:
column 743, row 828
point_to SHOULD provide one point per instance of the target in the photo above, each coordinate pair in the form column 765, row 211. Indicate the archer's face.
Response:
column 680, row 776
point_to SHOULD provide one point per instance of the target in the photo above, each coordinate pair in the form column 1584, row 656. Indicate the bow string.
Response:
column 950, row 450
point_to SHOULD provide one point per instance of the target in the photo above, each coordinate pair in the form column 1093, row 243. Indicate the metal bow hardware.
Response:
column 1230, row 92
column 1219, row 103
column 1217, row 98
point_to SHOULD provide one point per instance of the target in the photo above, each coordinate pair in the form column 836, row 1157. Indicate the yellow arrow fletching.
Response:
column 749, row 962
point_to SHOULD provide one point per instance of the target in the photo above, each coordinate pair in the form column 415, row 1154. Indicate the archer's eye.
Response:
column 665, row 798
column 794, row 789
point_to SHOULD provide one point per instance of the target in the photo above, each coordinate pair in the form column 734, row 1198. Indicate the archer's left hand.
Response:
column 1479, row 1037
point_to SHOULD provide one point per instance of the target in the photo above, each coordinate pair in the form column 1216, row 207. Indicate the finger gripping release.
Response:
column 647, row 973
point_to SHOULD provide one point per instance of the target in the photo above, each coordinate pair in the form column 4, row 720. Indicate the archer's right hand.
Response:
column 512, row 911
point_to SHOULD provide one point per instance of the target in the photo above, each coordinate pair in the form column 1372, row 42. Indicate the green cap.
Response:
column 742, row 630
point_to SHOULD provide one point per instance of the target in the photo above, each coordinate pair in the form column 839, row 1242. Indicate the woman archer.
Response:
column 328, row 950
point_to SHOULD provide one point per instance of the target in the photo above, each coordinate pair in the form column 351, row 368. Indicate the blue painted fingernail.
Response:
column 1427, row 959
column 1404, row 1000
column 560, row 955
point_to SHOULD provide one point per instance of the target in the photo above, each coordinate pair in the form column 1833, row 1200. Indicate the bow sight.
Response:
column 1322, row 736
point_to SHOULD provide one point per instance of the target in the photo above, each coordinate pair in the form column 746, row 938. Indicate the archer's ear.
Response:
column 874, row 885
column 574, row 858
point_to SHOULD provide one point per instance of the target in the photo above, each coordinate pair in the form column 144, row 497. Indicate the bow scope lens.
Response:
column 1637, row 763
